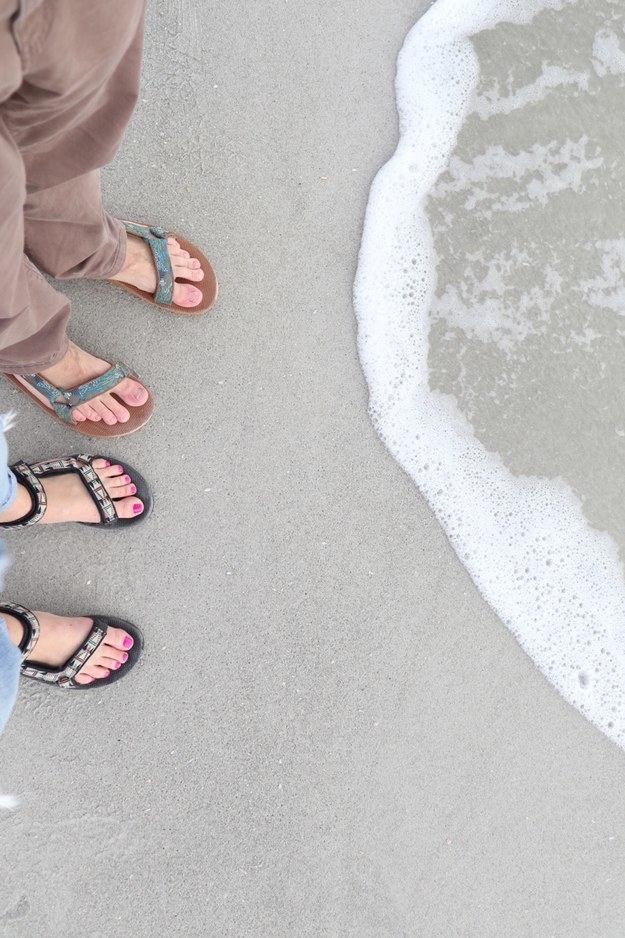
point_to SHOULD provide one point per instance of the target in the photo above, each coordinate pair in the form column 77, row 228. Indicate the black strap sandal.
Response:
column 29, row 476
column 64, row 676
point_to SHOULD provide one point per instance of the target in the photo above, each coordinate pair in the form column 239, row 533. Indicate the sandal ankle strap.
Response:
column 30, row 624
column 31, row 483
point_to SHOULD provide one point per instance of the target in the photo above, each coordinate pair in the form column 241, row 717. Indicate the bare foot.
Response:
column 69, row 500
column 78, row 367
column 61, row 637
column 139, row 270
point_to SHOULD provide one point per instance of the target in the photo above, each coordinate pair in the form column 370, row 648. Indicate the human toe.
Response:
column 129, row 507
column 108, row 411
column 185, row 294
column 119, row 639
column 84, row 679
column 112, row 658
column 131, row 392
column 188, row 267
column 94, row 671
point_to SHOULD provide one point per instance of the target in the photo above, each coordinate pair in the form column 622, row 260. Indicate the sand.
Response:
column 330, row 734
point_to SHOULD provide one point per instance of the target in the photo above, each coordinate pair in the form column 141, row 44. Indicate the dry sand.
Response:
column 330, row 735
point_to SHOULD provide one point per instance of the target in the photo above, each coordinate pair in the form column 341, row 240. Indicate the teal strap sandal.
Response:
column 63, row 401
column 156, row 239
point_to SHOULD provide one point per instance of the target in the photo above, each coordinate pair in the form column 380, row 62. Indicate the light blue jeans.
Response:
column 10, row 657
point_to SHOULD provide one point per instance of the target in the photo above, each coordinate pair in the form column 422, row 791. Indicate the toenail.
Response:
column 107, row 673
column 106, row 463
column 133, row 489
column 126, row 478
column 124, row 657
column 117, row 665
column 128, row 642
column 137, row 509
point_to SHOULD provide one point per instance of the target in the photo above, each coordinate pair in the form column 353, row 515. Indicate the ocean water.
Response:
column 490, row 298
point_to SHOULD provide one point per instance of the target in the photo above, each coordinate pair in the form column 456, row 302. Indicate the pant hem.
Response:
column 30, row 368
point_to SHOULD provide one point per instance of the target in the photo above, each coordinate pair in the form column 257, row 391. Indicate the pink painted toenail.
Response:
column 117, row 665
column 106, row 463
column 133, row 489
column 137, row 509
column 124, row 657
column 107, row 673
column 126, row 478
column 128, row 642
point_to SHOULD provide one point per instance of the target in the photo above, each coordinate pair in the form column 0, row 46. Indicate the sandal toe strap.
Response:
column 65, row 675
column 63, row 400
column 156, row 239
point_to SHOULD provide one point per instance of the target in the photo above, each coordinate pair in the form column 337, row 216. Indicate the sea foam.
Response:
column 555, row 581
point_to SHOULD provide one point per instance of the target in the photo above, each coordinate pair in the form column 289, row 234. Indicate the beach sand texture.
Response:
column 331, row 734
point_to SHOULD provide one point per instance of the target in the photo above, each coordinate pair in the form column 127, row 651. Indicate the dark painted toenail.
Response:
column 128, row 642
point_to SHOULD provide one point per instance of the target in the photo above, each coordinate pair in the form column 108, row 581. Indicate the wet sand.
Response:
column 330, row 733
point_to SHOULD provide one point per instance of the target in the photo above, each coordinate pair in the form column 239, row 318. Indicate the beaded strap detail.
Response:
column 156, row 239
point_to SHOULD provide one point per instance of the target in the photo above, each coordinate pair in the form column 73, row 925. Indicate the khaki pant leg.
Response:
column 81, row 65
column 33, row 316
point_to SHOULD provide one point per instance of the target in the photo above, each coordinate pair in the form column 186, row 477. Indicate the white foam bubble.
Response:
column 608, row 55
column 492, row 101
column 607, row 289
column 538, row 173
column 555, row 582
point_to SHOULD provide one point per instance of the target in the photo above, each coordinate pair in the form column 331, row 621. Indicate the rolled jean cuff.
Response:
column 10, row 659
column 8, row 491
